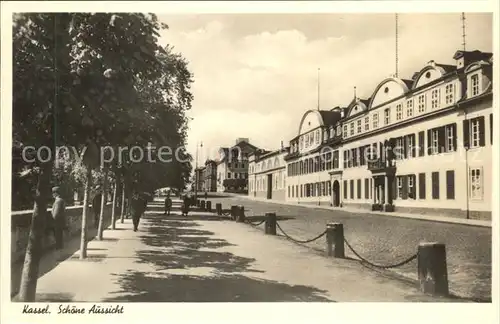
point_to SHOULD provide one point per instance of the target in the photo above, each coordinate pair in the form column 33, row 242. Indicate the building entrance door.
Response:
column 336, row 193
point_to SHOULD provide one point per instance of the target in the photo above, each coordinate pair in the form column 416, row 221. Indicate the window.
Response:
column 367, row 188
column 451, row 138
column 229, row 175
column 359, row 188
column 400, row 187
column 435, row 185
column 236, row 175
column 435, row 99
column 474, row 132
column 332, row 132
column 411, row 186
column 345, row 189
column 317, row 136
column 474, row 84
column 409, row 108
column 228, row 164
column 398, row 149
column 410, row 146
column 449, row 94
column 375, row 120
column 301, row 142
column 421, row 103
column 433, row 141
column 367, row 123
column 476, row 183
column 345, row 130
column 450, row 184
column 351, row 188
column 421, row 186
column 399, row 112
column 387, row 116
column 351, row 127
column 359, row 126
column 325, row 135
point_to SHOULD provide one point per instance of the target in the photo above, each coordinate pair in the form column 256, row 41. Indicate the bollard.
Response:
column 202, row 205
column 234, row 212
column 432, row 269
column 209, row 206
column 218, row 208
column 198, row 203
column 240, row 218
column 270, row 228
column 335, row 240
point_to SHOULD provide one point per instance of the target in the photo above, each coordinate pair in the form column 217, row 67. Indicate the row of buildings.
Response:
column 421, row 145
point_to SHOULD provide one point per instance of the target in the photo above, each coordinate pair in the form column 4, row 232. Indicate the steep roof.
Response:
column 330, row 117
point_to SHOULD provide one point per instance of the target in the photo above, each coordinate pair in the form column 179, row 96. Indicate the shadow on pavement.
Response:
column 207, row 275
column 233, row 288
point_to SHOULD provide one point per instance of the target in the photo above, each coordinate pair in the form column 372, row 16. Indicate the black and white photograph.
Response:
column 154, row 156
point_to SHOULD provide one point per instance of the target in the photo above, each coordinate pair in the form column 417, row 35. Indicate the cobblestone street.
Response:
column 389, row 240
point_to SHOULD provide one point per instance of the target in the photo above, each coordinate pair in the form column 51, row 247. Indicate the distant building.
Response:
column 232, row 167
column 199, row 179
column 210, row 176
column 267, row 174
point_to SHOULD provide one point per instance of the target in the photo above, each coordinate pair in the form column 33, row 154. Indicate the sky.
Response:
column 255, row 75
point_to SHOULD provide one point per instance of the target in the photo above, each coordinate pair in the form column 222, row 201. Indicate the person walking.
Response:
column 96, row 205
column 168, row 205
column 186, row 201
column 138, row 206
column 59, row 217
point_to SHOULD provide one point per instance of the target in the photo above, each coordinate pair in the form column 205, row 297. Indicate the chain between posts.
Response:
column 255, row 224
column 299, row 241
column 408, row 260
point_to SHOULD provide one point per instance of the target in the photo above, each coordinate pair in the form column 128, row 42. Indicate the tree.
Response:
column 103, row 78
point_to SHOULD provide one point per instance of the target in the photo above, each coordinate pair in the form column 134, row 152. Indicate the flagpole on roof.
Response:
column 318, row 89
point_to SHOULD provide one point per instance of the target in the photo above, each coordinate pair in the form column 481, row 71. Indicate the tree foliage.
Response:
column 105, row 78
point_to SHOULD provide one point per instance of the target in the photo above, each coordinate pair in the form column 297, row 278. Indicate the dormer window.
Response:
column 409, row 108
column 359, row 126
column 325, row 135
column 421, row 103
column 387, row 116
column 345, row 131
column 435, row 99
column 474, row 84
column 449, row 94
column 339, row 130
column 332, row 133
column 351, row 127
column 367, row 123
column 399, row 112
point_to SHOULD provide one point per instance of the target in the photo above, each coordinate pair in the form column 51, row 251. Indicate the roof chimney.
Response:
column 242, row 139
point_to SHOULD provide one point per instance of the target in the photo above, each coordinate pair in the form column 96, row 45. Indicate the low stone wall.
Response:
column 20, row 228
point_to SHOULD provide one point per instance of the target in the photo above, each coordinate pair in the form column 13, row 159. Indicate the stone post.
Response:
column 432, row 269
column 241, row 214
column 234, row 211
column 270, row 228
column 218, row 208
column 202, row 205
column 209, row 206
column 335, row 240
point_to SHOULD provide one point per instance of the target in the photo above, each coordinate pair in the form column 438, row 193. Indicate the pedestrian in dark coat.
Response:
column 168, row 205
column 186, row 201
column 138, row 206
column 59, row 217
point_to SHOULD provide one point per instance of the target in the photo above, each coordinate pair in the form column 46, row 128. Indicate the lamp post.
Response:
column 196, row 172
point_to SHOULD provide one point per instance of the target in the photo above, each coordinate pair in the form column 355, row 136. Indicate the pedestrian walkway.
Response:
column 433, row 218
column 201, row 258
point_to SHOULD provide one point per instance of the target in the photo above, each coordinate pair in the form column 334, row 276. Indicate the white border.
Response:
column 246, row 313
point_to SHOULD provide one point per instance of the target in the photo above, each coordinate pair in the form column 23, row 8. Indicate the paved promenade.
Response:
column 200, row 258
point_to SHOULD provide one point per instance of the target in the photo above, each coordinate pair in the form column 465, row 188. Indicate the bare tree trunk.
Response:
column 113, row 216
column 123, row 202
column 29, row 277
column 83, row 238
column 104, row 200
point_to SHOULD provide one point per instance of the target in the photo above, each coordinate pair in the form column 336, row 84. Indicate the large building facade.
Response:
column 210, row 176
column 267, row 174
column 232, row 167
column 422, row 145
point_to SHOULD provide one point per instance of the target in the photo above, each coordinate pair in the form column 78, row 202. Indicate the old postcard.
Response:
column 160, row 160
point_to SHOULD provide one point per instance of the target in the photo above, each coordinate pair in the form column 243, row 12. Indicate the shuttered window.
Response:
column 435, row 185
column 421, row 143
column 450, row 184
column 359, row 188
column 421, row 186
column 367, row 188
